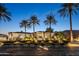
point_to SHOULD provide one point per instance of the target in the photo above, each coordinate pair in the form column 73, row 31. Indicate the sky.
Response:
column 22, row 11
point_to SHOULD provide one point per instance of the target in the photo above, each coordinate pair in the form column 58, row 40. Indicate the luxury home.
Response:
column 3, row 37
column 39, row 35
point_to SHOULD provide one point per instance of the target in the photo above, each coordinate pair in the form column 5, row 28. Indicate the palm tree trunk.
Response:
column 33, row 31
column 71, row 34
column 25, row 31
column 50, row 30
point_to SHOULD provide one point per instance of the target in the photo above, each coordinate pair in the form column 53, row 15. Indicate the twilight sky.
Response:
column 21, row 11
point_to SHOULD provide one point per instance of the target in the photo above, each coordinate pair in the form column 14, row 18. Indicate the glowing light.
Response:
column 1, row 44
column 44, row 47
column 73, row 45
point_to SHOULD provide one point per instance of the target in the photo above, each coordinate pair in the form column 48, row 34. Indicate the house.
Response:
column 43, row 35
column 13, row 36
column 3, row 37
column 39, row 35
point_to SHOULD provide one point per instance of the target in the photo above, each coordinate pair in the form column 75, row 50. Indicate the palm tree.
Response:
column 68, row 9
column 50, row 20
column 4, row 14
column 34, row 21
column 25, row 24
column 49, row 30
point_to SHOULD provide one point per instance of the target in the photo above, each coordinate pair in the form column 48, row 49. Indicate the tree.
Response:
column 34, row 21
column 4, row 14
column 60, row 38
column 49, row 30
column 50, row 20
column 25, row 24
column 68, row 9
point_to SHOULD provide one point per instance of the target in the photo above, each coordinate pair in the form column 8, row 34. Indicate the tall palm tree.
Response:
column 68, row 9
column 4, row 14
column 34, row 21
column 50, row 20
column 25, row 24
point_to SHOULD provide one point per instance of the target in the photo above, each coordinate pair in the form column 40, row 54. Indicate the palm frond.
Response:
column 50, row 19
column 25, row 23
column 66, row 10
column 34, row 20
column 4, row 14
